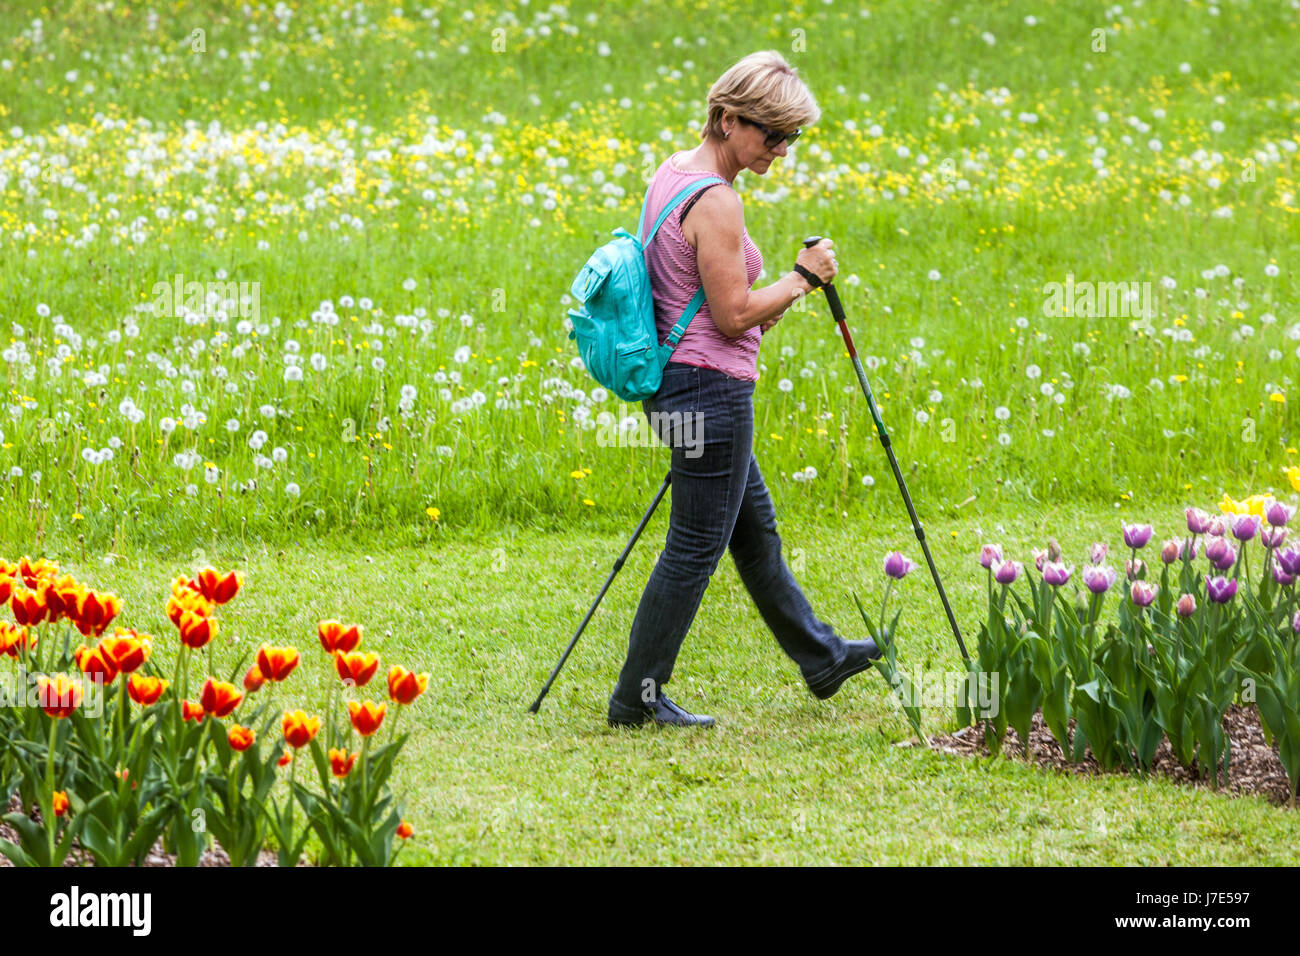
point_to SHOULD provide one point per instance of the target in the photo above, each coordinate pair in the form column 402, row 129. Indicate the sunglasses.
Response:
column 772, row 137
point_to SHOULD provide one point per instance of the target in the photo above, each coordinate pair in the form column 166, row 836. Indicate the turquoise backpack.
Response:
column 615, row 322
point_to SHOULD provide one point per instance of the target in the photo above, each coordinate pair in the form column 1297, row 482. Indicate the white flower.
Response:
column 1033, row 371
column 291, row 489
column 1270, row 270
column 1002, row 413
column 1004, row 439
column 933, row 275
column 785, row 385
column 922, row 416
column 461, row 355
column 868, row 481
column 409, row 286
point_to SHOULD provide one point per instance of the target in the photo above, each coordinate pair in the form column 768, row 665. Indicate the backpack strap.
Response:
column 692, row 307
column 672, row 204
column 679, row 329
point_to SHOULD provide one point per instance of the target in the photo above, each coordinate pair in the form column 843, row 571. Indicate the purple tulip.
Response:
column 1098, row 579
column 1040, row 557
column 897, row 566
column 1273, row 536
column 1216, row 527
column 1134, row 569
column 1189, row 550
column 1244, row 527
column 1143, row 593
column 1098, row 553
column 1198, row 521
column 1295, row 625
column 1217, row 549
column 1279, row 514
column 1137, row 535
column 1282, row 578
column 1186, row 605
column 1007, row 572
column 1169, row 552
column 990, row 553
column 1288, row 559
column 1221, row 589
column 1056, row 573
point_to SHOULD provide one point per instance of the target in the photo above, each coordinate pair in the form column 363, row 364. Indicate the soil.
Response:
column 156, row 857
column 1254, row 767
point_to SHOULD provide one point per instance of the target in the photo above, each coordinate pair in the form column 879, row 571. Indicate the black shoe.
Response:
column 665, row 713
column 860, row 656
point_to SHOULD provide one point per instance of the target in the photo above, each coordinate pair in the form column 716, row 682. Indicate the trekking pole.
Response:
column 618, row 565
column 837, row 311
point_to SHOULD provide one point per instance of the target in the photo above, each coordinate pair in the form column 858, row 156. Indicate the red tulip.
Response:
column 241, row 738
column 215, row 586
column 219, row 697
column 341, row 762
column 126, row 649
column 366, row 716
column 298, row 728
column 357, row 667
column 145, row 690
column 338, row 637
column 276, row 663
column 196, row 629
column 58, row 697
column 191, row 711
column 254, row 679
column 94, row 663
column 404, row 686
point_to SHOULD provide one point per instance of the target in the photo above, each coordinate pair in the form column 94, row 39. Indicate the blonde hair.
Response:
column 762, row 87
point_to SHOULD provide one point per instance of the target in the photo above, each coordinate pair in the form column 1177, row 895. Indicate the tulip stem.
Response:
column 365, row 789
column 392, row 734
column 51, row 820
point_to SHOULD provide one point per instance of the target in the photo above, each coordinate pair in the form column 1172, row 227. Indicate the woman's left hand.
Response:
column 771, row 322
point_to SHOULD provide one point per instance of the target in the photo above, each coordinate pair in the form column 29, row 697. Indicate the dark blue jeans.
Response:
column 719, row 501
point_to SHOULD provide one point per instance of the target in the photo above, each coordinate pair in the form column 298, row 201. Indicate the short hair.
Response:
column 762, row 87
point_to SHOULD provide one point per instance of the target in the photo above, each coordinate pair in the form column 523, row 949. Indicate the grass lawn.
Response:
column 783, row 778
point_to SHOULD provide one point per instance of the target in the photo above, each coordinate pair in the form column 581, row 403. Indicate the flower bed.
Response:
column 122, row 742
column 1164, row 672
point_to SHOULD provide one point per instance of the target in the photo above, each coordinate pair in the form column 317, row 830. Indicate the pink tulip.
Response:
column 990, row 553
column 1136, row 535
column 1198, row 521
column 1186, row 605
column 1056, row 573
column 1244, row 527
column 1006, row 572
column 1098, row 580
column 1278, row 513
column 1143, row 593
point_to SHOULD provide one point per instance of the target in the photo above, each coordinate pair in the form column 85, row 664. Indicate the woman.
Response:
column 719, row 499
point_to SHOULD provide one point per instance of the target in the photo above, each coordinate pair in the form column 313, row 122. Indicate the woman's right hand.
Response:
column 819, row 260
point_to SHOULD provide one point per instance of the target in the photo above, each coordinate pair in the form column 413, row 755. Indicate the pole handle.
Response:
column 832, row 295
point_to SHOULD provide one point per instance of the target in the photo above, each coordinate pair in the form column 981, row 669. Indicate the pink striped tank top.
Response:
column 674, row 277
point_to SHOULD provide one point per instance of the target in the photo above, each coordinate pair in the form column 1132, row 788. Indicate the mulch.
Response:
column 1254, row 767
